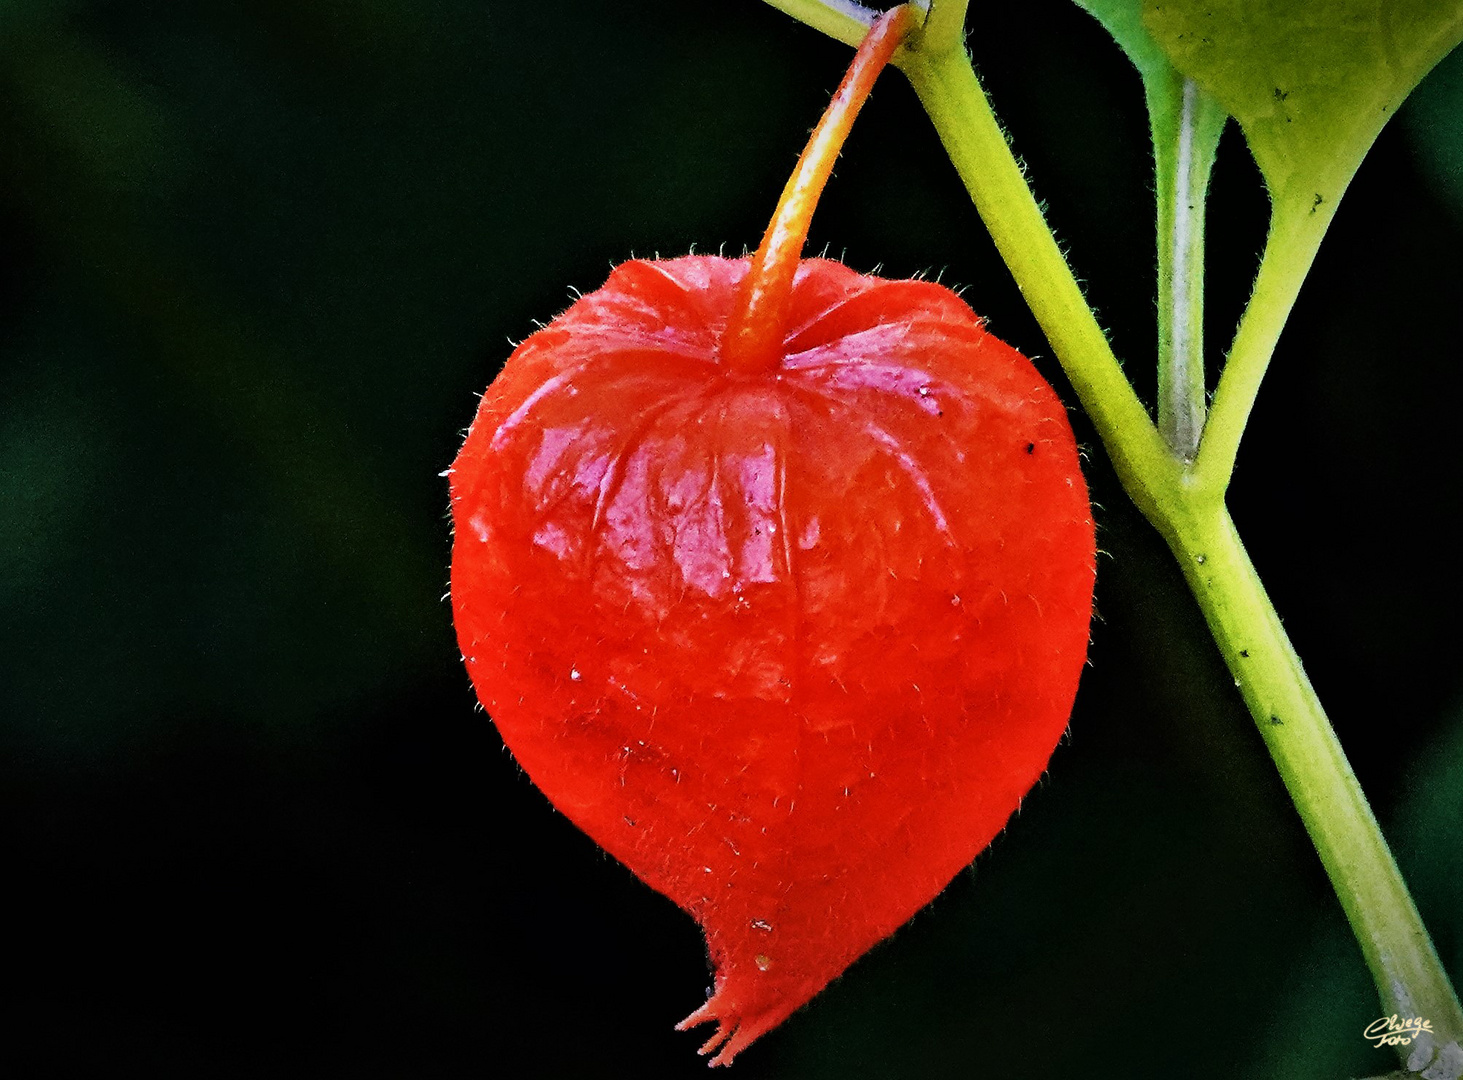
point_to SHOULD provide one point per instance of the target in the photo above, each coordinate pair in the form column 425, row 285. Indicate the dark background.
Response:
column 257, row 258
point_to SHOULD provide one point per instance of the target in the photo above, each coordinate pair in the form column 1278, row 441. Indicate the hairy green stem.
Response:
column 1184, row 142
column 1297, row 226
column 944, row 29
column 1186, row 506
column 1409, row 977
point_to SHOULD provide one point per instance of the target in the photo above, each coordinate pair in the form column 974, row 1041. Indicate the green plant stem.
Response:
column 944, row 29
column 1409, row 977
column 1297, row 226
column 1184, row 142
column 1190, row 514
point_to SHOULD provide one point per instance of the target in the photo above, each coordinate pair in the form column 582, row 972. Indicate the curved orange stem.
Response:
column 754, row 333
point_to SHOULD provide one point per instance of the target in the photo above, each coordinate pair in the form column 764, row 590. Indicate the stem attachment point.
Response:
column 754, row 334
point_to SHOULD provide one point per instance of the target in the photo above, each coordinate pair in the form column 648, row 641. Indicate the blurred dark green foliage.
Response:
column 256, row 258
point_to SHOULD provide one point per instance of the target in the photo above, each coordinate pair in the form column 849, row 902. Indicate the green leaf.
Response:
column 1311, row 83
column 1124, row 21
